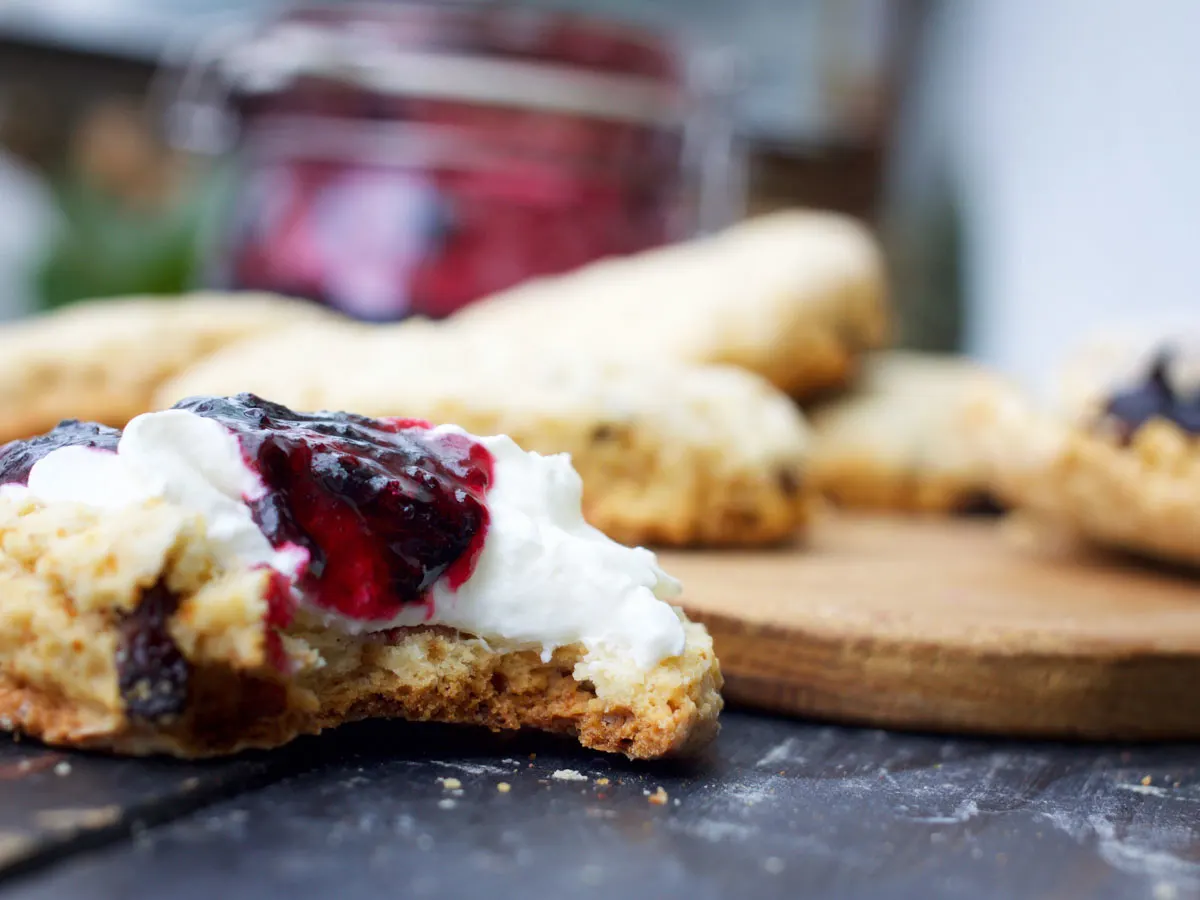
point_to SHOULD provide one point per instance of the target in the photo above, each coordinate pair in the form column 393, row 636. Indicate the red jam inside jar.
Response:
column 405, row 160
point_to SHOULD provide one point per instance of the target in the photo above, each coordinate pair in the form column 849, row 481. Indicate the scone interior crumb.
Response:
column 72, row 576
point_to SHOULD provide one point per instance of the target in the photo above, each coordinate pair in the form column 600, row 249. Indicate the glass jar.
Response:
column 397, row 159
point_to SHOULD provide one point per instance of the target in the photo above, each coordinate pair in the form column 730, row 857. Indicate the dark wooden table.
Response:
column 778, row 809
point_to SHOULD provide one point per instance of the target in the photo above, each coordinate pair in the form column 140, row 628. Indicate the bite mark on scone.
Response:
column 249, row 574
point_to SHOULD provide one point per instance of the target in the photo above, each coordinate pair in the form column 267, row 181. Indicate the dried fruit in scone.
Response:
column 900, row 440
column 795, row 296
column 668, row 454
column 103, row 359
column 1121, row 470
column 232, row 574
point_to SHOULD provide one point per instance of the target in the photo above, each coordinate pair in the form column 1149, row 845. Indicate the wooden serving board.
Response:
column 948, row 625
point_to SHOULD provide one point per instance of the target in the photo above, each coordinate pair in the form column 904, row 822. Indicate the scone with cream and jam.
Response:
column 230, row 574
column 1118, row 464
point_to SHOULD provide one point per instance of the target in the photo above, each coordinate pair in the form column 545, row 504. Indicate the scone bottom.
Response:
column 379, row 511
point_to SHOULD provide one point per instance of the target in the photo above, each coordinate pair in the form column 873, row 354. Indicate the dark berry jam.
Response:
column 391, row 200
column 1154, row 398
column 384, row 507
column 18, row 457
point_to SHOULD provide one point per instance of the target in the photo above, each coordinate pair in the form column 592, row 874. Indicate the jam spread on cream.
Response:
column 1154, row 397
column 17, row 458
column 383, row 508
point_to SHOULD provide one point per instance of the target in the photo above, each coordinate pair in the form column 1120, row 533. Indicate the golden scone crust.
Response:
column 900, row 440
column 668, row 454
column 795, row 296
column 78, row 587
column 102, row 360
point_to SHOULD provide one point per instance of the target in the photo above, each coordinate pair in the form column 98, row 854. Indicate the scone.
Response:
column 230, row 574
column 1122, row 469
column 900, row 439
column 793, row 296
column 103, row 359
column 669, row 454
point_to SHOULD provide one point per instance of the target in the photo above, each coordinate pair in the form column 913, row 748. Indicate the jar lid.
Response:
column 503, row 57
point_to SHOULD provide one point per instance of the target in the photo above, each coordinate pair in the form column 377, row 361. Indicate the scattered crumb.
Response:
column 659, row 797
column 450, row 784
column 1146, row 780
column 14, row 846
column 447, row 803
column 676, row 801
column 78, row 819
column 568, row 775
column 63, row 768
column 602, row 782
column 504, row 787
column 773, row 864
column 645, row 792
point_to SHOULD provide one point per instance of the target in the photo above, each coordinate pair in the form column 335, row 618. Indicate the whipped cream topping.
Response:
column 544, row 579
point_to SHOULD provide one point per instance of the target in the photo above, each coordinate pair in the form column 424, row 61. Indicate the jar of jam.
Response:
column 400, row 159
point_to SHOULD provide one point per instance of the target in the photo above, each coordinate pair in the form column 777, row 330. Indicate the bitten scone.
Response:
column 1121, row 470
column 668, row 454
column 900, row 440
column 230, row 574
column 794, row 296
column 103, row 359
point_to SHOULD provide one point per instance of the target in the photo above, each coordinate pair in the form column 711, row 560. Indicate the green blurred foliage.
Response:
column 106, row 248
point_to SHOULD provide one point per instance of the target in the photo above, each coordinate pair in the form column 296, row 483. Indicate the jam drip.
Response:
column 18, row 457
column 1154, row 398
column 384, row 507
